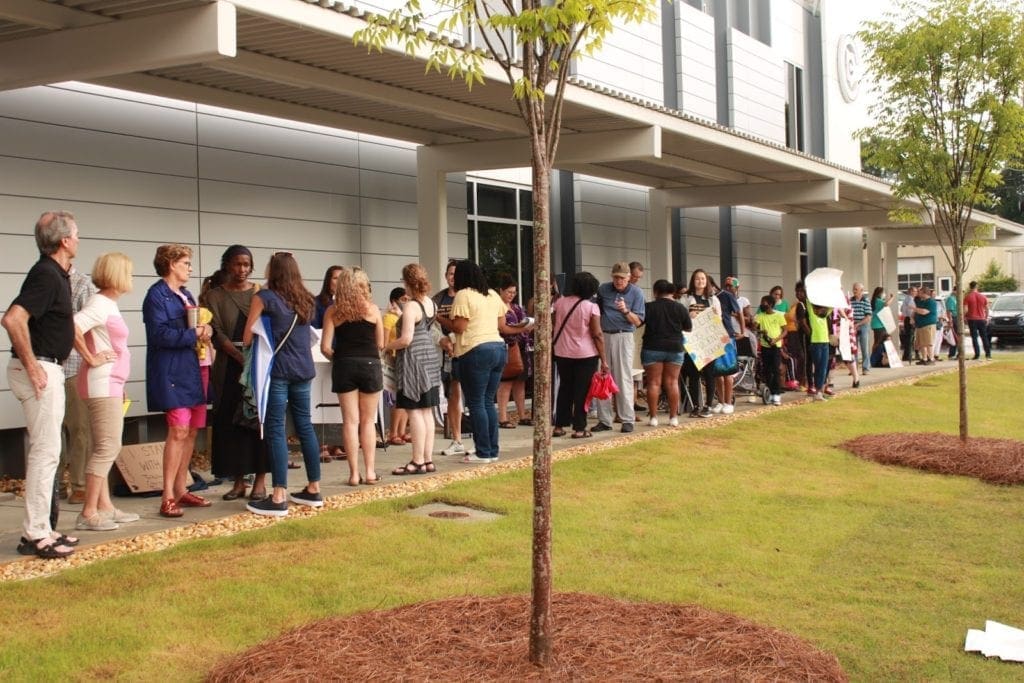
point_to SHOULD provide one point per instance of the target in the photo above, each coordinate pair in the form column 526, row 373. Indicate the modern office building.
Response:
column 716, row 135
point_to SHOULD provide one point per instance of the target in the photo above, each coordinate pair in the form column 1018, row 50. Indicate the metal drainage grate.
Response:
column 447, row 514
column 455, row 513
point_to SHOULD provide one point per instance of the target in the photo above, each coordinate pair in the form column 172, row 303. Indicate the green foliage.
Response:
column 950, row 114
column 995, row 280
column 1010, row 193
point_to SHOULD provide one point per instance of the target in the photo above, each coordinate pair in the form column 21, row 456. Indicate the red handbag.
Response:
column 602, row 386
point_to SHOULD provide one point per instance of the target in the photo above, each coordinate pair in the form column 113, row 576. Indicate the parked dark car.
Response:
column 1006, row 318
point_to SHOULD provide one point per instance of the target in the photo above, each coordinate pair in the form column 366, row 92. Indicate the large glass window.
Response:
column 500, row 231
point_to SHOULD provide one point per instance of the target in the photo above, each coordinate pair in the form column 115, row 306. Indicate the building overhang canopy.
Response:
column 295, row 59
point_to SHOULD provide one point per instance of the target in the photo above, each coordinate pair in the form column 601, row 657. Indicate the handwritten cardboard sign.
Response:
column 704, row 343
column 142, row 466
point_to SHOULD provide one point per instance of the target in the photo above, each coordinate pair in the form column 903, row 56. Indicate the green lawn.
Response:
column 763, row 517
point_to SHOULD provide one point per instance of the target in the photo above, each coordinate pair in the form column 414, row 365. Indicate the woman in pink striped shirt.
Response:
column 101, row 337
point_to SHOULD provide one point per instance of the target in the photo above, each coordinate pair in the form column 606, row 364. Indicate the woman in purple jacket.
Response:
column 175, row 382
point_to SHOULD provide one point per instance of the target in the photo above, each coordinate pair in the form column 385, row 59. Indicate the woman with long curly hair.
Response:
column 353, row 338
column 289, row 306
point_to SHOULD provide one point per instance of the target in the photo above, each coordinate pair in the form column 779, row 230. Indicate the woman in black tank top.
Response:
column 356, row 374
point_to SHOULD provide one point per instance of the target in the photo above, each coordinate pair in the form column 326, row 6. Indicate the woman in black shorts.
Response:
column 353, row 337
column 417, row 368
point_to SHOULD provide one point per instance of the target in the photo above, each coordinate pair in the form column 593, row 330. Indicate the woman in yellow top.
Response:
column 478, row 320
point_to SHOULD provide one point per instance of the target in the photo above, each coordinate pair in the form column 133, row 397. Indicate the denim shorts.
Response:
column 650, row 357
column 357, row 374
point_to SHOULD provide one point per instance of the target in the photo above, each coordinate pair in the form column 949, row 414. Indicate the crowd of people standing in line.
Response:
column 470, row 341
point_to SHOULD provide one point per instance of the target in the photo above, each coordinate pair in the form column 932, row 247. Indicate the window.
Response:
column 805, row 259
column 904, row 282
column 500, row 227
column 794, row 111
column 915, row 272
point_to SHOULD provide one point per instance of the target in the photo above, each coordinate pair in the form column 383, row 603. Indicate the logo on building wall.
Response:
column 849, row 66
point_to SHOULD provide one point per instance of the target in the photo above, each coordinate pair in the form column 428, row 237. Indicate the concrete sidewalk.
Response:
column 515, row 443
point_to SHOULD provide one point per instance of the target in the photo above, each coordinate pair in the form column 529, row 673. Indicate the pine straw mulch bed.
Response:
column 997, row 461
column 486, row 639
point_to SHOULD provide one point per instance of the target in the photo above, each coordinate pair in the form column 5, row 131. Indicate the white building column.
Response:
column 790, row 255
column 874, row 273
column 432, row 214
column 659, row 236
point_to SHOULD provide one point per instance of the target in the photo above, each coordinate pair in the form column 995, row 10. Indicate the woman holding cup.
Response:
column 176, row 382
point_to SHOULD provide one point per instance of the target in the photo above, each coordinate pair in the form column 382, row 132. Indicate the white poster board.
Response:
column 887, row 319
column 142, row 466
column 845, row 349
column 825, row 288
column 706, row 341
column 892, row 354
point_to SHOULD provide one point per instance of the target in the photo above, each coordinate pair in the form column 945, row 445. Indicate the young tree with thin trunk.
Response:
column 534, row 42
column 950, row 75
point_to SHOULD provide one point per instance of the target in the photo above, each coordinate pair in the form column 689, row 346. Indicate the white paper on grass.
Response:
column 997, row 640
column 825, row 288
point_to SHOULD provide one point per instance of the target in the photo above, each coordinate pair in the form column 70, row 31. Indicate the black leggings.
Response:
column 695, row 377
column 574, row 375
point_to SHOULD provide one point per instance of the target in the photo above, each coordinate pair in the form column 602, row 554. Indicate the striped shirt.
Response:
column 861, row 308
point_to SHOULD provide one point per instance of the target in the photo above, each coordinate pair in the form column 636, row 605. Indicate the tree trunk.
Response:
column 540, row 618
column 958, row 280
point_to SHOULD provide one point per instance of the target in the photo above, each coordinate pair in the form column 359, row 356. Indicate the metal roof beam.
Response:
column 262, row 67
column 754, row 194
column 841, row 219
column 579, row 148
column 153, row 42
column 48, row 15
column 189, row 92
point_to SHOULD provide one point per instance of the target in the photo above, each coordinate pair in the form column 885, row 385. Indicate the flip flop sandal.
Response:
column 557, row 431
column 526, row 423
column 581, row 435
column 507, row 425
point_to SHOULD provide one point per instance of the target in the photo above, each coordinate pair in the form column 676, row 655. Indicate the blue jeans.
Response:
column 864, row 346
column 294, row 397
column 480, row 374
column 980, row 328
column 819, row 360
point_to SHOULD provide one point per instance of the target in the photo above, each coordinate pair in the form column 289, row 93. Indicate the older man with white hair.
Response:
column 42, row 331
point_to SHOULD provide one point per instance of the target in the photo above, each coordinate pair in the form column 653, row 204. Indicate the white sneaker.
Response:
column 456, row 448
column 819, row 397
column 727, row 408
column 673, row 422
column 717, row 408
column 776, row 400
column 652, row 422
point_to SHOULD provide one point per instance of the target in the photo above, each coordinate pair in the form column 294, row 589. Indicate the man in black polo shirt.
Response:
column 41, row 327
